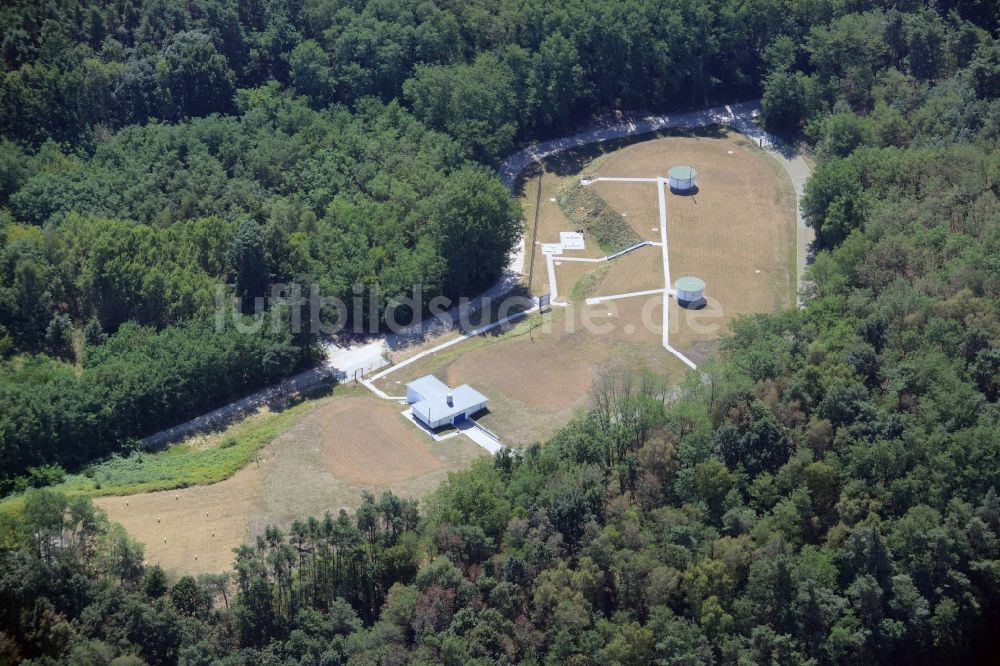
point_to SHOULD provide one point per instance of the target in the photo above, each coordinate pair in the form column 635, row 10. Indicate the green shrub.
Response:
column 586, row 210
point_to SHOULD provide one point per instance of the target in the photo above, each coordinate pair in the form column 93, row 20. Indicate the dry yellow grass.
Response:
column 639, row 270
column 536, row 380
column 742, row 221
column 379, row 450
column 335, row 452
column 637, row 201
column 737, row 233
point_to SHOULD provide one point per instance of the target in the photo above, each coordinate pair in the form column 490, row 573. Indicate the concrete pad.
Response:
column 571, row 240
column 469, row 429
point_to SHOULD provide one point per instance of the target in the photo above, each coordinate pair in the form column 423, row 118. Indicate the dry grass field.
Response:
column 737, row 233
column 639, row 270
column 536, row 379
column 636, row 201
column 337, row 450
column 381, row 450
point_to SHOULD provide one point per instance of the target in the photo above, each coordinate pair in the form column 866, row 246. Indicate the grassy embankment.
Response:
column 586, row 210
column 202, row 459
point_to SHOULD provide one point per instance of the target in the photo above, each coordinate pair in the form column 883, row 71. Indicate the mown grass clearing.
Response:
column 588, row 284
column 333, row 453
column 201, row 460
column 586, row 210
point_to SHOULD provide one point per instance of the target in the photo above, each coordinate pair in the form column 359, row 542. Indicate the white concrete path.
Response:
column 590, row 260
column 600, row 299
column 444, row 345
column 661, row 185
column 616, row 179
column 519, row 161
column 408, row 415
column 551, row 269
column 470, row 429
column 739, row 116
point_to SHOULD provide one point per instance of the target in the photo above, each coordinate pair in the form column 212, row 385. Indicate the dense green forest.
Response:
column 826, row 492
column 152, row 151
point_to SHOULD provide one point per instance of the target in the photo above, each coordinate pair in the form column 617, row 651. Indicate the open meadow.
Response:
column 737, row 234
column 336, row 449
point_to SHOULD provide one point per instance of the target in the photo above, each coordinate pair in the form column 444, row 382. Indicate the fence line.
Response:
column 615, row 255
column 534, row 232
column 217, row 418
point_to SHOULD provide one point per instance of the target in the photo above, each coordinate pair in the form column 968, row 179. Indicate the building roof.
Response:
column 429, row 386
column 682, row 172
column 437, row 408
column 689, row 284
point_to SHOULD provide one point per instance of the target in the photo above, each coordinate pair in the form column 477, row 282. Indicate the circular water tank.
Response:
column 689, row 290
column 682, row 178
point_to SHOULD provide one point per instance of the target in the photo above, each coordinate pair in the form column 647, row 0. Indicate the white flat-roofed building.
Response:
column 435, row 404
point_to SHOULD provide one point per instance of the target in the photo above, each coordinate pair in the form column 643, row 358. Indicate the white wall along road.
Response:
column 364, row 355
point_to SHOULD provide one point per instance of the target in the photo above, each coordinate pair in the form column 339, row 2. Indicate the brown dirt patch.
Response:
column 380, row 449
column 345, row 446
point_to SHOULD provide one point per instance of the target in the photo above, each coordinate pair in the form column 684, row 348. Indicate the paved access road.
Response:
column 346, row 360
column 741, row 117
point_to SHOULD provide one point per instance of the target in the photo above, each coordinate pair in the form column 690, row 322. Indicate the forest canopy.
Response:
column 825, row 492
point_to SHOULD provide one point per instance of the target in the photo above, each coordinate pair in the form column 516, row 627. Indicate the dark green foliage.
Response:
column 195, row 79
column 475, row 225
column 246, row 255
column 842, row 133
column 825, row 493
column 475, row 103
column 753, row 439
column 59, row 337
column 312, row 73
column 834, row 203
column 93, row 333
column 785, row 102
column 138, row 382
column 331, row 217
column 189, row 598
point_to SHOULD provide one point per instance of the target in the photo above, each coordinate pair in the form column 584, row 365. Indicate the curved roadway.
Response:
column 343, row 362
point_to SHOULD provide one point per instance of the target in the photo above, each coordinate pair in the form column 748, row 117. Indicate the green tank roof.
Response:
column 682, row 172
column 689, row 284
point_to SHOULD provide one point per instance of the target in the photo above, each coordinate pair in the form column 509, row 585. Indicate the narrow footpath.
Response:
column 345, row 362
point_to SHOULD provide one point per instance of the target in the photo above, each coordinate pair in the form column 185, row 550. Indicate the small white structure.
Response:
column 682, row 178
column 689, row 290
column 435, row 404
column 571, row 240
column 568, row 240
